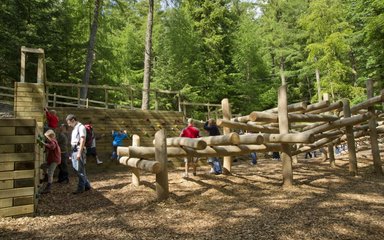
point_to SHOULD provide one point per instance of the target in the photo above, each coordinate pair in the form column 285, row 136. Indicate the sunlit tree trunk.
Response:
column 147, row 59
column 90, row 51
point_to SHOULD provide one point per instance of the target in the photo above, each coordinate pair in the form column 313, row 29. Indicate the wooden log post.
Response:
column 284, row 129
column 350, row 140
column 227, row 160
column 377, row 166
column 40, row 68
column 22, row 66
column 162, row 188
column 135, row 171
column 54, row 99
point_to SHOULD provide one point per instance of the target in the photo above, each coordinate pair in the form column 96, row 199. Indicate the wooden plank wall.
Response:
column 143, row 123
column 17, row 167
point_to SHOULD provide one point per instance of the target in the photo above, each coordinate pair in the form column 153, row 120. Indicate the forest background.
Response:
column 208, row 49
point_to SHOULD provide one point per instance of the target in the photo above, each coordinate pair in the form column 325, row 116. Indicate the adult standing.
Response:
column 212, row 129
column 190, row 132
column 62, row 139
column 78, row 154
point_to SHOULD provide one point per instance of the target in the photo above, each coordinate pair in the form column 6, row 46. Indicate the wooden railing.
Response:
column 8, row 96
column 54, row 99
column 126, row 90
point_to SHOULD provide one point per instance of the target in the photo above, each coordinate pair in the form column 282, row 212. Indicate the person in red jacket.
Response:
column 53, row 157
column 190, row 132
column 52, row 118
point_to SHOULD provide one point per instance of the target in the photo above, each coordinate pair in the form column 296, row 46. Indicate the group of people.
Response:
column 58, row 151
column 210, row 126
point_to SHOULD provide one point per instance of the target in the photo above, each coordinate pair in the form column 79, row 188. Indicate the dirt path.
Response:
column 250, row 204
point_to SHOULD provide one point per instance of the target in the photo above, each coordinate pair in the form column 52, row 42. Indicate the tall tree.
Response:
column 329, row 46
column 147, row 58
column 91, row 49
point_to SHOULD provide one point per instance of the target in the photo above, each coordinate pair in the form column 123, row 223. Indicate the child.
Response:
column 52, row 118
column 53, row 157
column 118, row 137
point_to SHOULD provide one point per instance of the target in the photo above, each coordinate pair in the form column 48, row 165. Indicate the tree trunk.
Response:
column 318, row 84
column 282, row 75
column 147, row 58
column 90, row 51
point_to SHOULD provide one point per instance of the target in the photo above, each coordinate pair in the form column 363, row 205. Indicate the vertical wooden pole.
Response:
column 330, row 146
column 377, row 167
column 179, row 101
column 54, row 99
column 40, row 68
column 22, row 66
column 350, row 140
column 331, row 156
column 162, row 188
column 135, row 171
column 227, row 161
column 284, row 128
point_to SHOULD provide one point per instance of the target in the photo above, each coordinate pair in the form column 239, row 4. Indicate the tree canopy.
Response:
column 207, row 49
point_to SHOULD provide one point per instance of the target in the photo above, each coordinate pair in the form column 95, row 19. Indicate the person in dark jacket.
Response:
column 212, row 129
column 62, row 139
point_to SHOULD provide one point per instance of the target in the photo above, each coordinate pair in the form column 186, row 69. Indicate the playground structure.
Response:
column 325, row 125
column 279, row 129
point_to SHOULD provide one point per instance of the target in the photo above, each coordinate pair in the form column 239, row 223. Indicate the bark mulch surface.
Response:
column 325, row 203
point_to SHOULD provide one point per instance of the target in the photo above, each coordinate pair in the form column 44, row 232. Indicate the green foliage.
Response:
column 207, row 49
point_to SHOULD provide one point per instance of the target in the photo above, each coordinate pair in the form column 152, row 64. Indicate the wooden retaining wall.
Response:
column 143, row 123
column 18, row 161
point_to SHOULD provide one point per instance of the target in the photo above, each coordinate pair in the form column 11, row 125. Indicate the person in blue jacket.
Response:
column 118, row 137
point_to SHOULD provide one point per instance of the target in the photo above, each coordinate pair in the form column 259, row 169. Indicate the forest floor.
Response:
column 325, row 203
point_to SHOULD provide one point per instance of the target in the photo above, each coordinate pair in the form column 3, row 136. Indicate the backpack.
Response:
column 90, row 135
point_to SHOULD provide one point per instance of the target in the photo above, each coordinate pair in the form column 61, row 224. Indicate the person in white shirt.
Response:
column 78, row 153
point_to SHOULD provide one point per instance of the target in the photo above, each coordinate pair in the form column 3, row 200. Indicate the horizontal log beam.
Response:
column 251, row 139
column 333, row 106
column 187, row 142
column 242, row 119
column 143, row 164
column 295, row 117
column 289, row 138
column 367, row 103
column 263, row 117
column 317, row 106
column 210, row 151
column 227, row 139
column 340, row 123
column 246, row 126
